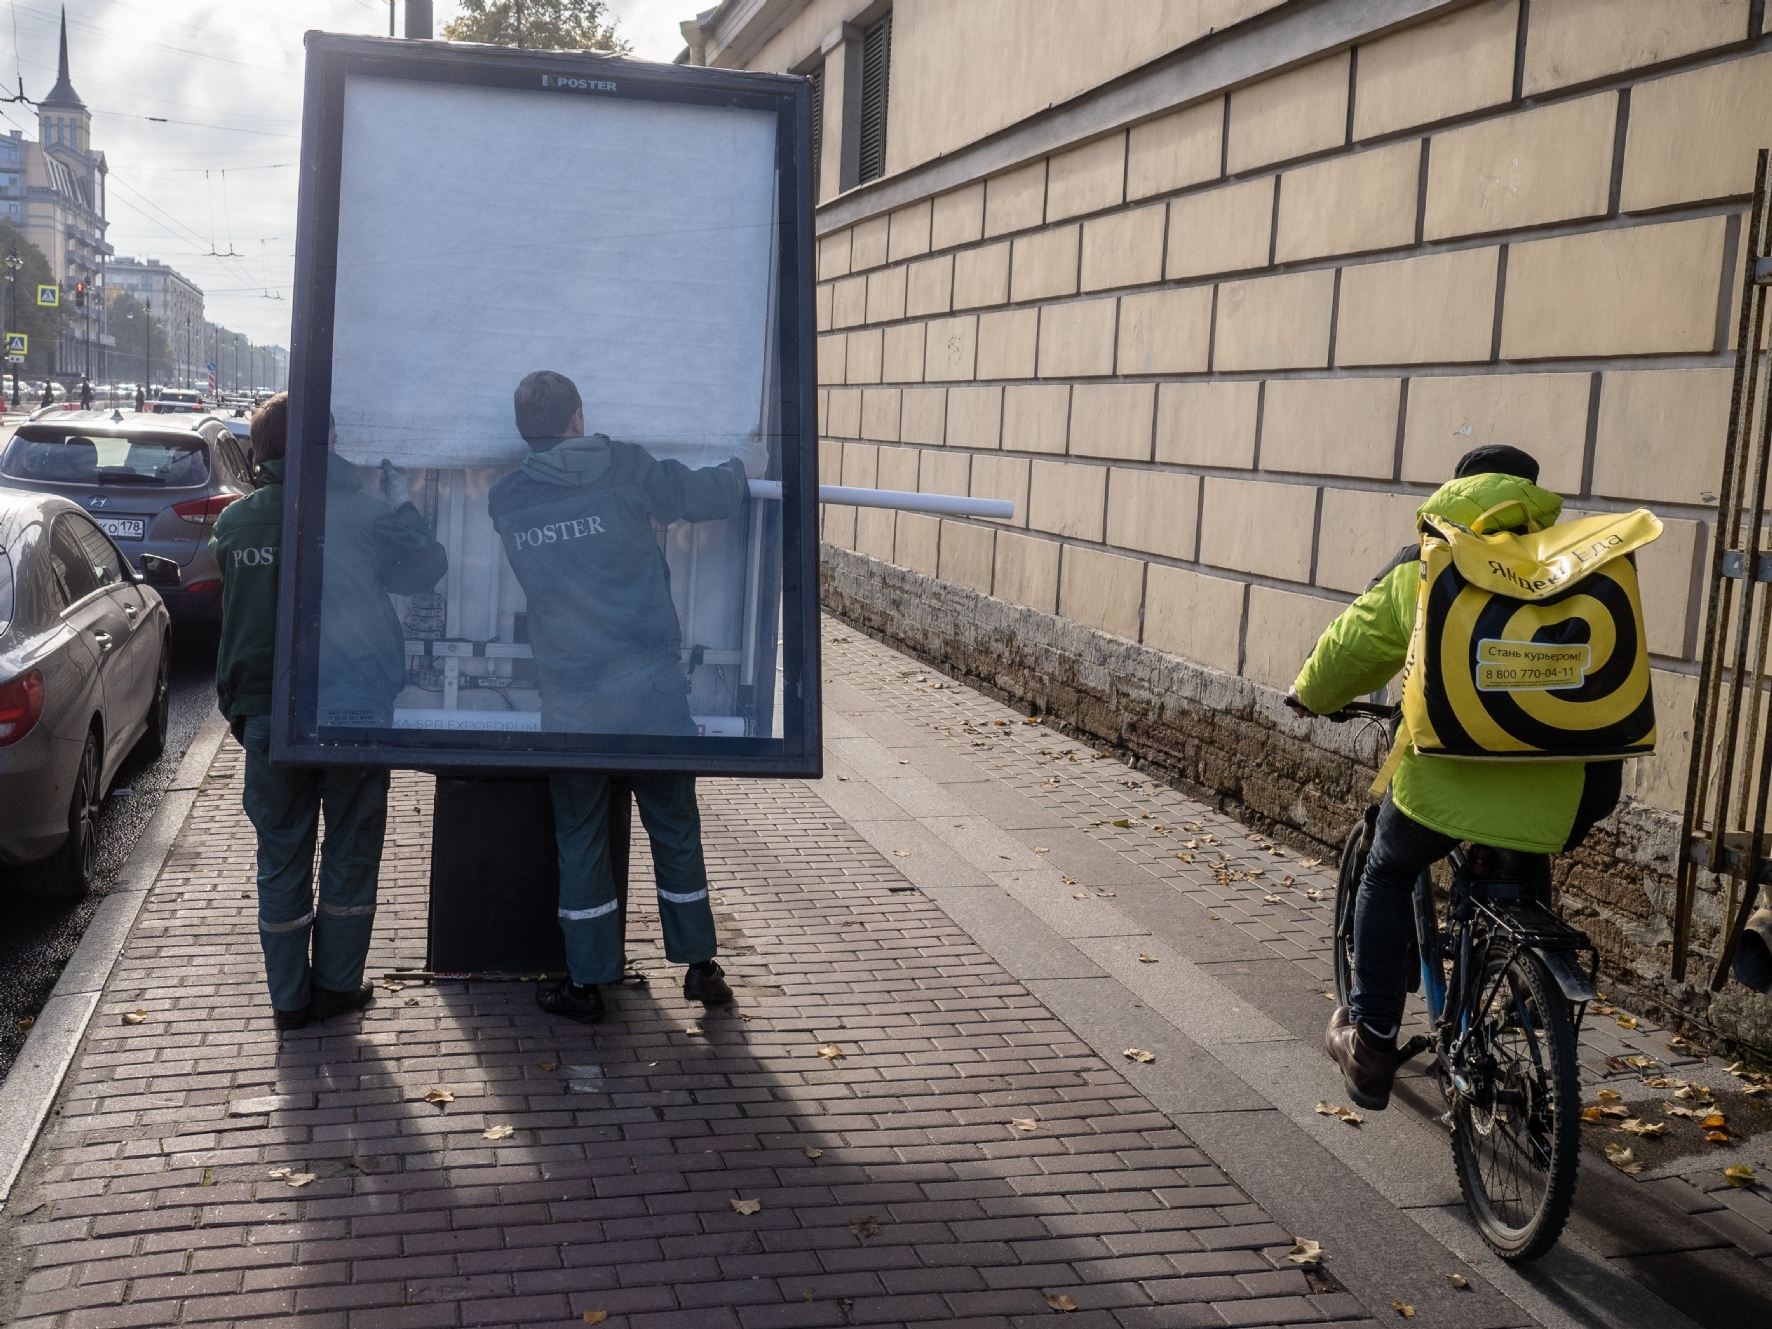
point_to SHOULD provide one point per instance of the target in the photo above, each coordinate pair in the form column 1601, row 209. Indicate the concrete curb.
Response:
column 29, row 1091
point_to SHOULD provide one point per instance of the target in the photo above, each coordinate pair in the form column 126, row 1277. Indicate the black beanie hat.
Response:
column 1497, row 459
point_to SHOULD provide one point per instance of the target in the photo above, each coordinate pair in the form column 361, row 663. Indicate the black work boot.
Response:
column 581, row 1002
column 1368, row 1063
column 288, row 1020
column 326, row 1003
column 706, row 983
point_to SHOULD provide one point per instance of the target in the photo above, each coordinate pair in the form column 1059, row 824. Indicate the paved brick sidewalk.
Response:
column 894, row 1185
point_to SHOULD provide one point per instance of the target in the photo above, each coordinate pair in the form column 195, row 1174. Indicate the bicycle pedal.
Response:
column 1414, row 1048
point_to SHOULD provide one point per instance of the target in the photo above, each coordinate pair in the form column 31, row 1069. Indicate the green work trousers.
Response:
column 590, row 915
column 284, row 806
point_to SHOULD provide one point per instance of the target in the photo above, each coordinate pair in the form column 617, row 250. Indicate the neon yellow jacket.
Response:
column 1525, row 805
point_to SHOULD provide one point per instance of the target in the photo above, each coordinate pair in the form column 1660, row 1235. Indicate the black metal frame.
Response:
column 331, row 60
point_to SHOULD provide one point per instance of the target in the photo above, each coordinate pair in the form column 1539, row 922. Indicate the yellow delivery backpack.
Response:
column 1530, row 645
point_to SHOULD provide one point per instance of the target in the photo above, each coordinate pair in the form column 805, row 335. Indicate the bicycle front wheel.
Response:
column 1516, row 1124
column 1347, row 891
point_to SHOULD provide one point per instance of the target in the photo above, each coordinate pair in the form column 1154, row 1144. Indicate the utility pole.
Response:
column 148, row 350
column 13, row 264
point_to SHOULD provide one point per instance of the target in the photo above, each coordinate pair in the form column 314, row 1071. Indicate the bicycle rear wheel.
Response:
column 1516, row 1121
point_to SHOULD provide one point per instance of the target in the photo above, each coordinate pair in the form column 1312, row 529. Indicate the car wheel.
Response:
column 153, row 740
column 67, row 873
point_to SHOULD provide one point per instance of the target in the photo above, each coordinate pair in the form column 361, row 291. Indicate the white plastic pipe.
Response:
column 946, row 505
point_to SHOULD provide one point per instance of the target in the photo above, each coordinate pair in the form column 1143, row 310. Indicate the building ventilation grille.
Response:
column 876, row 70
column 816, row 79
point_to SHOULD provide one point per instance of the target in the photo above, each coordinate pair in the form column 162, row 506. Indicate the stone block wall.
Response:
column 1217, row 325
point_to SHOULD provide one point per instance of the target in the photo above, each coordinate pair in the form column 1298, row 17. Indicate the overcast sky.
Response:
column 224, row 76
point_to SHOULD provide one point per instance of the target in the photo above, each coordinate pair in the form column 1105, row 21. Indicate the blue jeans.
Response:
column 1384, row 914
column 284, row 805
column 590, row 915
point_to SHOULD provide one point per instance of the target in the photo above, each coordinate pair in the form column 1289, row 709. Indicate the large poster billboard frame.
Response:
column 793, row 747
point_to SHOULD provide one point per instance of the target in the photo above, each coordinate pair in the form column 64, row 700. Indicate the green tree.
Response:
column 130, row 322
column 541, row 25
column 41, row 324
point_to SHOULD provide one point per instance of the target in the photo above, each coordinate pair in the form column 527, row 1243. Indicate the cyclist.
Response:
column 1433, row 803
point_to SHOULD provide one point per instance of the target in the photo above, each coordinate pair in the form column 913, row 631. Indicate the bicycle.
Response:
column 1505, row 996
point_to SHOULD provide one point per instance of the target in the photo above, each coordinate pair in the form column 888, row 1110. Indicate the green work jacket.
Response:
column 368, row 553
column 1526, row 805
column 577, row 521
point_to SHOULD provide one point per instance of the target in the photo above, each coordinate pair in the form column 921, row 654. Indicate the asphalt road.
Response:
column 38, row 936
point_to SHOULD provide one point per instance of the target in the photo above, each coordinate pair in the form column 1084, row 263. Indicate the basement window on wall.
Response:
column 876, row 70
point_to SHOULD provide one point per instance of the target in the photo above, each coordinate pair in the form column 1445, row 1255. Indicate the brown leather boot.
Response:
column 1368, row 1064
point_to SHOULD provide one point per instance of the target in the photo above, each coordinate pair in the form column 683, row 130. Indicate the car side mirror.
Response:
column 159, row 572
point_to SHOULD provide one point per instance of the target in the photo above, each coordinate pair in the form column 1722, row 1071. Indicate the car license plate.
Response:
column 123, row 528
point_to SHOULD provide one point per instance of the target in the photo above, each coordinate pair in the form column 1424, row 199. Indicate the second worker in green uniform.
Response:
column 577, row 519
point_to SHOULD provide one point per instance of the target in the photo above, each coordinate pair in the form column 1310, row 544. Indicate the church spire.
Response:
column 63, row 94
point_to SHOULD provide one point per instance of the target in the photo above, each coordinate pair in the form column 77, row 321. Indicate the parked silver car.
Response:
column 85, row 659
column 155, row 484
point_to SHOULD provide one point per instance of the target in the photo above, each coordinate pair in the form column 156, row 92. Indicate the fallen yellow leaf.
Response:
column 1609, row 1095
column 1041, row 849
column 1121, row 821
column 1622, row 1158
column 498, row 1132
column 831, row 1052
column 1403, row 1308
column 1739, row 1175
column 745, row 1206
column 1146, row 959
column 1590, row 1115
column 1061, row 1301
column 810, row 1152
column 1716, row 1121
column 1626, row 1021
column 547, row 1065
column 24, row 1026
column 439, row 1096
column 597, row 1317
column 1305, row 1251
column 1024, row 1123
column 1646, row 1128
column 1717, row 1137
column 134, row 1017
column 901, row 853
column 694, row 1031
column 1459, row 1281
column 1138, row 1054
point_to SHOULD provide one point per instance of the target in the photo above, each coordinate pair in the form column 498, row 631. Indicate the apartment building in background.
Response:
column 1217, row 293
column 177, row 307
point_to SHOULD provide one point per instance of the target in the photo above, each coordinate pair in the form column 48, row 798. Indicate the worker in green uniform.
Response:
column 315, row 950
column 578, row 523
column 1433, row 803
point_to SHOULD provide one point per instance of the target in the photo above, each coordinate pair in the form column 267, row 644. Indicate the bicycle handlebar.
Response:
column 1363, row 710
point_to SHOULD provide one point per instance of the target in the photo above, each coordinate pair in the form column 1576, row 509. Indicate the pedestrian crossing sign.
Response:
column 50, row 296
column 17, row 343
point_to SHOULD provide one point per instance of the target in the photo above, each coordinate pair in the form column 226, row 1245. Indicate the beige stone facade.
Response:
column 1218, row 292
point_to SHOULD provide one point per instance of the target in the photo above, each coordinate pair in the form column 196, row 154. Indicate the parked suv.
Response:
column 155, row 484
column 177, row 401
column 85, row 657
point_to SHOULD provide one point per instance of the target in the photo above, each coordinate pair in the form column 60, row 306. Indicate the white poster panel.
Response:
column 628, row 248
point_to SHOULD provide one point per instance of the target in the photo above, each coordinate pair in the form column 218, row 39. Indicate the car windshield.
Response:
column 71, row 457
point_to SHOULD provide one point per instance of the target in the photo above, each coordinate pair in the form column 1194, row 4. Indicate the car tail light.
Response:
column 203, row 510
column 201, row 587
column 21, row 702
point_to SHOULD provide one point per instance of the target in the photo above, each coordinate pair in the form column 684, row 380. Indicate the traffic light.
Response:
column 79, row 295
